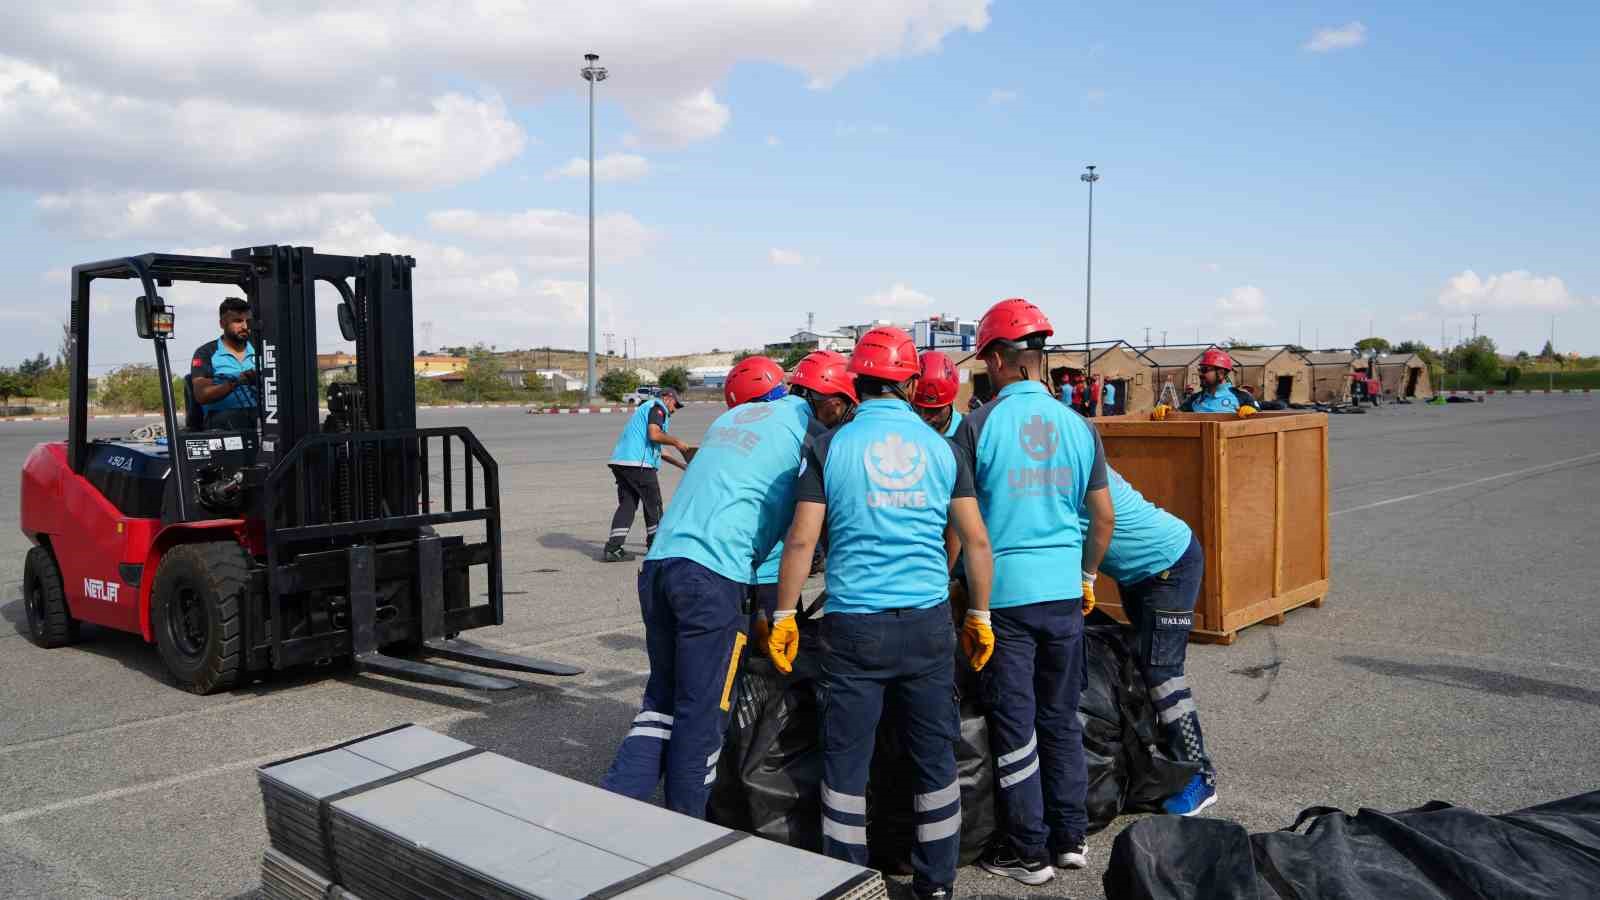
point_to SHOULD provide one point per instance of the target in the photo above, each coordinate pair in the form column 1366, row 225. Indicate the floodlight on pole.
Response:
column 1089, row 178
column 592, row 74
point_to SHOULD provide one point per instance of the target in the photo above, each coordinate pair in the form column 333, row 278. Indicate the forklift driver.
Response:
column 223, row 372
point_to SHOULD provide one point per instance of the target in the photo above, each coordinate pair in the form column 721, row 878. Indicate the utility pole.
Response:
column 1163, row 337
column 1090, row 178
column 1300, row 333
column 609, row 335
column 592, row 74
column 1552, row 370
column 1475, row 325
column 1147, row 337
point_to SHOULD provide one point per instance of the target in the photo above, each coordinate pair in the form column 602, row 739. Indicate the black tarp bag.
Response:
column 1433, row 852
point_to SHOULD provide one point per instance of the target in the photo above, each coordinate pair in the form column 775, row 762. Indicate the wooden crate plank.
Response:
column 1250, row 500
column 1305, row 515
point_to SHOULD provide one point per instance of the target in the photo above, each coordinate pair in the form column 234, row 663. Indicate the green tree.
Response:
column 31, row 369
column 617, row 382
column 53, row 383
column 1420, row 349
column 535, row 382
column 793, row 357
column 1549, row 351
column 1366, row 345
column 1523, row 357
column 12, row 384
column 429, row 391
column 675, row 377
column 482, row 378
column 743, row 355
column 131, row 389
column 1477, row 357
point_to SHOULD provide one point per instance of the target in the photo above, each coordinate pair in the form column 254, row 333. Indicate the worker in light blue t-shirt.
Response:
column 1039, row 469
column 731, row 508
column 887, row 489
column 1158, row 566
column 634, row 462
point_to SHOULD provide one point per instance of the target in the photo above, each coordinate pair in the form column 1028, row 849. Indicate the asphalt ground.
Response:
column 1454, row 659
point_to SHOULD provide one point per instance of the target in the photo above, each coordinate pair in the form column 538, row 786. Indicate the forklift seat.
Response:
column 194, row 415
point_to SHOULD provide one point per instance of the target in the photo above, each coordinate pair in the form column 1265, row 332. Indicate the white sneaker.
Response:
column 1076, row 858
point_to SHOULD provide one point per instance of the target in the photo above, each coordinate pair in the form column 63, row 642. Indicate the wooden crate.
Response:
column 1254, row 490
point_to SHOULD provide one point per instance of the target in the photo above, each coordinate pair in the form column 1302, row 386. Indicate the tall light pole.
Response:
column 1090, row 178
column 592, row 74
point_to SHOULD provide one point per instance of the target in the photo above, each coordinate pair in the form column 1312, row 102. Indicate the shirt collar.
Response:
column 883, row 404
column 1026, row 386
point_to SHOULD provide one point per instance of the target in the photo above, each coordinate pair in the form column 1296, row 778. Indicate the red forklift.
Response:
column 303, row 540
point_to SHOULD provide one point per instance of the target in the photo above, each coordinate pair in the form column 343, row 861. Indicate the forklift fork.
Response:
column 430, row 590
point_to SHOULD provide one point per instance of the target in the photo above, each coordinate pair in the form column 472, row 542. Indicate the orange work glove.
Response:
column 977, row 638
column 1160, row 412
column 1088, row 592
column 1246, row 412
column 783, row 642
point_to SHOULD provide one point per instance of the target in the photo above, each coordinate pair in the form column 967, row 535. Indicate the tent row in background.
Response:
column 1279, row 373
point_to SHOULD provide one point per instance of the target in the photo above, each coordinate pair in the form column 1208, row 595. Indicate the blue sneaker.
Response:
column 1196, row 796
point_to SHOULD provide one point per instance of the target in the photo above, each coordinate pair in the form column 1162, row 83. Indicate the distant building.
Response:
column 843, row 341
column 326, row 361
column 709, row 376
column 428, row 366
column 944, row 332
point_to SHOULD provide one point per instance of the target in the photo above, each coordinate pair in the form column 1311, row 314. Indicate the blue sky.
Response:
column 1271, row 174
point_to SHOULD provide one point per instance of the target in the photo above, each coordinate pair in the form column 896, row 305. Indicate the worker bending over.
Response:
column 1158, row 566
column 1040, row 476
column 823, row 380
column 936, row 393
column 727, row 514
column 1216, row 394
column 634, row 461
column 887, row 488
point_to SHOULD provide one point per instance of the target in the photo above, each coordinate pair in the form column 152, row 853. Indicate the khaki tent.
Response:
column 1178, row 366
column 1330, row 374
column 1119, row 365
column 1404, row 375
column 1273, row 373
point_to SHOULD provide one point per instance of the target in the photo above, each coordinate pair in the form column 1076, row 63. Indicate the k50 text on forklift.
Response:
column 293, row 542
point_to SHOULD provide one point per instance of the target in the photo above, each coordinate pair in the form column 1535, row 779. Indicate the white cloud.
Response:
column 1518, row 289
column 62, row 135
column 1243, row 308
column 93, row 94
column 1352, row 34
column 549, row 238
column 693, row 117
column 900, row 297
column 999, row 96
column 183, row 215
column 611, row 167
column 772, row 140
column 781, row 257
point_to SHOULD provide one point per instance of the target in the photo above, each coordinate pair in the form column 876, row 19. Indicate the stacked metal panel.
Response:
column 284, row 879
column 411, row 813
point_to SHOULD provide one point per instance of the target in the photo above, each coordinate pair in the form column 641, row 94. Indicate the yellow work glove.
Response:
column 1088, row 592
column 1160, row 412
column 977, row 638
column 783, row 642
column 1246, row 412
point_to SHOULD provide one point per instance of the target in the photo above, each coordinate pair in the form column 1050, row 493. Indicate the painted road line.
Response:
column 1465, row 484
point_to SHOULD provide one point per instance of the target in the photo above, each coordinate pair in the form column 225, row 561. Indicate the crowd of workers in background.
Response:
column 1010, row 513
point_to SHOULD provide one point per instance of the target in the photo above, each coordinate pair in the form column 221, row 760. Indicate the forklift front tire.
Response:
column 50, row 622
column 194, row 611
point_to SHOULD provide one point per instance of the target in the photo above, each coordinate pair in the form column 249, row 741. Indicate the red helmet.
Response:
column 825, row 372
column 751, row 379
column 1012, row 320
column 887, row 353
column 1217, row 359
column 938, row 384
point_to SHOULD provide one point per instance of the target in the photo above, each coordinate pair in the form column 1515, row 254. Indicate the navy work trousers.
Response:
column 899, row 663
column 1030, row 690
column 694, row 621
column 1162, row 608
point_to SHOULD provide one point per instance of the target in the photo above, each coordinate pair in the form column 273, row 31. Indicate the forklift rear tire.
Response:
column 50, row 622
column 194, row 611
